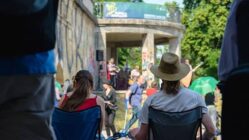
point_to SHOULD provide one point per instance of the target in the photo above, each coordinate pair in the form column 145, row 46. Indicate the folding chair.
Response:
column 235, row 106
column 82, row 125
column 174, row 125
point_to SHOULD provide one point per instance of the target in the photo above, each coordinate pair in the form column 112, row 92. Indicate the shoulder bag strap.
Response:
column 133, row 93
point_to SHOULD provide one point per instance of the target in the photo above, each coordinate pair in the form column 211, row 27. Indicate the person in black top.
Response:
column 110, row 107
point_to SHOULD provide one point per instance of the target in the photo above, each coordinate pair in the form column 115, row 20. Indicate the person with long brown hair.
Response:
column 109, row 96
column 173, row 97
column 82, row 96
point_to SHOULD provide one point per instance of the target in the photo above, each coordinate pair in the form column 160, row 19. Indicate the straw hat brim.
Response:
column 183, row 71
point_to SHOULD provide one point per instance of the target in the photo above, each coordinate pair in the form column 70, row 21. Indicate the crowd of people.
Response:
column 121, row 79
column 172, row 97
column 26, row 110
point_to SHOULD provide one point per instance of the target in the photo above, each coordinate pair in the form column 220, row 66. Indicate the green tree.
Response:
column 191, row 4
column 132, row 56
column 172, row 10
column 205, row 26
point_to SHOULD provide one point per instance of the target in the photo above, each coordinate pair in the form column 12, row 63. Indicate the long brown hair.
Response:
column 83, row 82
column 170, row 87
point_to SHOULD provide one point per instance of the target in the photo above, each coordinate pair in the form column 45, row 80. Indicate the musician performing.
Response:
column 112, row 70
column 187, row 79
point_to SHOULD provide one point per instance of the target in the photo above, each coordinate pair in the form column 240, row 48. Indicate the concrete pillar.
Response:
column 101, row 45
column 114, row 54
column 108, row 52
column 175, row 45
column 111, row 51
column 148, row 56
column 102, row 41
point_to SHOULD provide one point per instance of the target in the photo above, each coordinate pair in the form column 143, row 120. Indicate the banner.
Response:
column 135, row 10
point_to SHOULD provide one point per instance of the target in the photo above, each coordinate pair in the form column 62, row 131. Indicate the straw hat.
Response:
column 170, row 68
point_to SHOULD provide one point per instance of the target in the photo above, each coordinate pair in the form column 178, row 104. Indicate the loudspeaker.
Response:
column 99, row 55
column 100, row 67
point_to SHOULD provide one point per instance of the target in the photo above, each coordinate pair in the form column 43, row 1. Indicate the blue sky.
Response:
column 163, row 1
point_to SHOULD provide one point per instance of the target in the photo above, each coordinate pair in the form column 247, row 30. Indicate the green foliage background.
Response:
column 205, row 22
column 130, row 55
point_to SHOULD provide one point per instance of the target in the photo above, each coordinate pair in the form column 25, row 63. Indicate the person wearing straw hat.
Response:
column 173, row 97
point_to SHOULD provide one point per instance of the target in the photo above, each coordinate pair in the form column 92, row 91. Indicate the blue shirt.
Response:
column 39, row 63
column 136, row 98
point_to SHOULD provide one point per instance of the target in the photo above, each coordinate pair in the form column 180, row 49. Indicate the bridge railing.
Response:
column 137, row 10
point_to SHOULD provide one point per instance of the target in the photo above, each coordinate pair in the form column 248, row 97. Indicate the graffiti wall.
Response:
column 76, row 45
column 148, row 57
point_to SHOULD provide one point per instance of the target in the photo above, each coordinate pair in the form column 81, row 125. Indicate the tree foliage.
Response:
column 191, row 4
column 173, row 11
column 205, row 26
column 131, row 56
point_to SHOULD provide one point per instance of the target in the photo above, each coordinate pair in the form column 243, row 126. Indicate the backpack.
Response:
column 27, row 26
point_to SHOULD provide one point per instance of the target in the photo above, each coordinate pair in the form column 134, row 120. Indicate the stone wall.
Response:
column 76, row 43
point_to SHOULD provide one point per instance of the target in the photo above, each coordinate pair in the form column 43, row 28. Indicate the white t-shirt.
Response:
column 185, row 100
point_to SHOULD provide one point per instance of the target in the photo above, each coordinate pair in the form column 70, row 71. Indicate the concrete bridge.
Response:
column 81, row 33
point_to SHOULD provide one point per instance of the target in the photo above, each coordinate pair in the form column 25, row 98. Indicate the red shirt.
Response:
column 88, row 103
column 151, row 91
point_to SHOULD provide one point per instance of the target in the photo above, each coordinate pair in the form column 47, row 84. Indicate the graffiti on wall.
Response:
column 147, row 62
column 75, row 40
column 78, row 30
column 147, row 58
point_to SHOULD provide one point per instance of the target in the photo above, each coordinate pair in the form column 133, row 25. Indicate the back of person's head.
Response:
column 83, row 84
column 171, row 71
column 107, row 84
column 122, row 74
column 153, row 84
column 209, row 98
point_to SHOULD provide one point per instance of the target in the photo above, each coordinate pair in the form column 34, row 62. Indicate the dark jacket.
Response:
column 27, row 26
column 110, row 97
